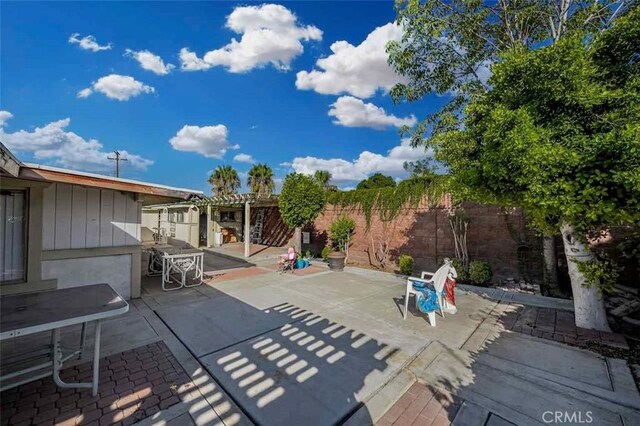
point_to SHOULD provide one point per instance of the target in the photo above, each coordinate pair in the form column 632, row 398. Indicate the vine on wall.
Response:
column 388, row 203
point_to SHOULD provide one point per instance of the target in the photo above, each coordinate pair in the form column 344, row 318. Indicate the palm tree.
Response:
column 224, row 181
column 322, row 177
column 260, row 180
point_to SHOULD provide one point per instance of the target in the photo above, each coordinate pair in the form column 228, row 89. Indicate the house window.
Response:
column 228, row 216
column 177, row 216
column 13, row 230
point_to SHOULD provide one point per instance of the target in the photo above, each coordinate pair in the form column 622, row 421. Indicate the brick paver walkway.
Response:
column 234, row 274
column 422, row 405
column 558, row 325
column 309, row 270
column 133, row 385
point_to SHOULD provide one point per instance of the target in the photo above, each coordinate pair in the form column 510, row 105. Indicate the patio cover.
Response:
column 236, row 200
column 232, row 200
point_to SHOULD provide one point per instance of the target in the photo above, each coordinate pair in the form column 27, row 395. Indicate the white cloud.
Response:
column 366, row 164
column 84, row 93
column 353, row 112
column 359, row 70
column 53, row 142
column 244, row 158
column 115, row 86
column 4, row 117
column 270, row 33
column 88, row 43
column 189, row 61
column 210, row 141
column 150, row 62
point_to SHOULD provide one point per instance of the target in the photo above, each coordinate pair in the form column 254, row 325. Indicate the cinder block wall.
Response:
column 495, row 235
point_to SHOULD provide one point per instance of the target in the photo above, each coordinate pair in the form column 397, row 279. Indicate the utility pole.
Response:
column 117, row 159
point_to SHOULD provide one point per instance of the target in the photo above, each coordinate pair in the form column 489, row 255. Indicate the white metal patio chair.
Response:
column 436, row 280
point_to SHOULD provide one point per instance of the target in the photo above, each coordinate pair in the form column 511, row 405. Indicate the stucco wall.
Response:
column 114, row 270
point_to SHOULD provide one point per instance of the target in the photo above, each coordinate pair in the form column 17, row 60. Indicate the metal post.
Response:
column 209, row 227
column 96, row 360
column 83, row 339
column 247, row 229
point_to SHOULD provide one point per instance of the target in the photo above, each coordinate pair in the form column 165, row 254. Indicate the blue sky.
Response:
column 166, row 83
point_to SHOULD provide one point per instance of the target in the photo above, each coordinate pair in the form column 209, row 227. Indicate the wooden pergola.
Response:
column 232, row 200
column 237, row 200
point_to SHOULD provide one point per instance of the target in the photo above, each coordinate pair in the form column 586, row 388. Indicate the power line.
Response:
column 117, row 159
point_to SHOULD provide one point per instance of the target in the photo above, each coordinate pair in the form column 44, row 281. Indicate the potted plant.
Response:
column 340, row 233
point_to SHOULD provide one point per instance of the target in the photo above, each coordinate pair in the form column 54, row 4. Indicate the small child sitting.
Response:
column 286, row 261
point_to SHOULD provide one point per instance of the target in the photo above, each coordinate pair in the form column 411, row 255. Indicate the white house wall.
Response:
column 114, row 270
column 150, row 220
column 186, row 233
column 75, row 217
column 91, row 236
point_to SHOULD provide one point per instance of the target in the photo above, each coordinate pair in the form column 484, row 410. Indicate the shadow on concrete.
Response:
column 283, row 364
column 502, row 377
column 216, row 262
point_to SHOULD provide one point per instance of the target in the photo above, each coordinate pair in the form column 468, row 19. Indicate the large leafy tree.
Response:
column 224, row 181
column 558, row 134
column 301, row 201
column 376, row 180
column 449, row 45
column 260, row 180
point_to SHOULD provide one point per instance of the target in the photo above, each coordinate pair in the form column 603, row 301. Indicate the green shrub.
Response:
column 325, row 253
column 340, row 232
column 307, row 254
column 301, row 200
column 463, row 275
column 406, row 264
column 480, row 273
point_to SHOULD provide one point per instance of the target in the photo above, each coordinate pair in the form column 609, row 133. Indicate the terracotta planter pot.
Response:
column 336, row 261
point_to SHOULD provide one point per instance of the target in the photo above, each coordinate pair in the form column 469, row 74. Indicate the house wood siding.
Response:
column 12, row 232
column 76, row 217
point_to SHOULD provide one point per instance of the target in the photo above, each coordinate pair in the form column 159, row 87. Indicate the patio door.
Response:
column 12, row 236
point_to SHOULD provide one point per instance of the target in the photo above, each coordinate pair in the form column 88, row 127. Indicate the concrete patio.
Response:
column 325, row 348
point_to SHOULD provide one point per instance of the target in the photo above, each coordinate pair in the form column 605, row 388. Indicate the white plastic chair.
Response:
column 436, row 280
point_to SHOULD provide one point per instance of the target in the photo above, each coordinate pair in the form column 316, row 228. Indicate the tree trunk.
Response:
column 297, row 240
column 550, row 264
column 587, row 301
